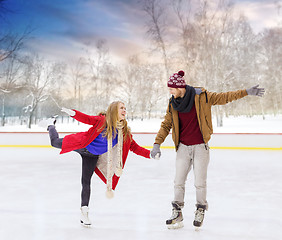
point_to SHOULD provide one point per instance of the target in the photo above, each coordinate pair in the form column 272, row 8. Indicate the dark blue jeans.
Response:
column 89, row 162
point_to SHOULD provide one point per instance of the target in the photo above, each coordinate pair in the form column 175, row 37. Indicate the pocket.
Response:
column 206, row 146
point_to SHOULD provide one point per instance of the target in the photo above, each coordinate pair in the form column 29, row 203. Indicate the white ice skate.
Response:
column 84, row 220
column 176, row 219
column 47, row 122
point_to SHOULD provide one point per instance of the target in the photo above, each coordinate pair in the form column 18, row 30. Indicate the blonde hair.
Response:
column 112, row 120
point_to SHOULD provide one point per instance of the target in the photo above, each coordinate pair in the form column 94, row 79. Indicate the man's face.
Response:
column 121, row 111
column 176, row 92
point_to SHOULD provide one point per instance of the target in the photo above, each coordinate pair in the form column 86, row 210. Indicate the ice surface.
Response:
column 40, row 190
column 40, row 198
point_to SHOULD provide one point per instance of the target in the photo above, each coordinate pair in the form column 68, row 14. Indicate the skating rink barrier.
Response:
column 231, row 141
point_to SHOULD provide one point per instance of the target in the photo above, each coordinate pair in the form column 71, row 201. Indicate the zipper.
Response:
column 200, row 125
column 172, row 119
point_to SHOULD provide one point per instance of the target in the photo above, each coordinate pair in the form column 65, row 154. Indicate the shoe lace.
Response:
column 199, row 215
column 175, row 213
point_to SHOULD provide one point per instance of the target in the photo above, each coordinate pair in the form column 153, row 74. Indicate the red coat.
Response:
column 82, row 139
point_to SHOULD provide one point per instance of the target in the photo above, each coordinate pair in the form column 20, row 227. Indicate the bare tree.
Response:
column 217, row 47
column 9, row 81
column 271, row 59
column 38, row 76
column 78, row 81
column 142, row 87
column 129, row 89
column 12, row 43
column 101, row 77
column 183, row 11
column 156, row 28
column 57, row 86
column 154, row 91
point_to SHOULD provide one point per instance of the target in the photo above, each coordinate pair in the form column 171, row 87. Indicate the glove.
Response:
column 255, row 91
column 68, row 111
column 156, row 152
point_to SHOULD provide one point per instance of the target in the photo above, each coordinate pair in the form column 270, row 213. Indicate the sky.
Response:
column 62, row 28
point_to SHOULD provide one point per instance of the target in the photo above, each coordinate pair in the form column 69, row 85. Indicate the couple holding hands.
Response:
column 104, row 147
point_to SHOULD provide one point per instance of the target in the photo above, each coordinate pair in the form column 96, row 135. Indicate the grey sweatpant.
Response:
column 186, row 157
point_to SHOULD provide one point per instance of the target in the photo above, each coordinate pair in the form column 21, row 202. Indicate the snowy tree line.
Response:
column 216, row 47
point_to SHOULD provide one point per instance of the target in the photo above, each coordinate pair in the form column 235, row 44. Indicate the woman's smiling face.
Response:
column 121, row 111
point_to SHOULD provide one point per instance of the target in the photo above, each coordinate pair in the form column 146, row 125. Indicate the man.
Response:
column 189, row 116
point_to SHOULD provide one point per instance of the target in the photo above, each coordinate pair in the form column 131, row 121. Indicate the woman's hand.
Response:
column 68, row 111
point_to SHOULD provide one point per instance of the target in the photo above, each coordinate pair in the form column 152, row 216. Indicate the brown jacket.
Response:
column 203, row 103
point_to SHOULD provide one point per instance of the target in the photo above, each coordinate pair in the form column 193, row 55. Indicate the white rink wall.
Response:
column 247, row 132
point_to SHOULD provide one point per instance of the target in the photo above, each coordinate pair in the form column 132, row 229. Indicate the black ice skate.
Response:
column 176, row 219
column 199, row 215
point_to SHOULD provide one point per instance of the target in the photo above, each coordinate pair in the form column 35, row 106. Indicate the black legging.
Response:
column 89, row 162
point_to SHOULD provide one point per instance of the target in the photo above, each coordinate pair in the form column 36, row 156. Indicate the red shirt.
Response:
column 190, row 133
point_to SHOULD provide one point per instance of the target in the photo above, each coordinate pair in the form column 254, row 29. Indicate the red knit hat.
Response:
column 176, row 80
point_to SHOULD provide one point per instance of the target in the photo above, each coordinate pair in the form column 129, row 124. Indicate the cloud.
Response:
column 261, row 14
column 54, row 50
column 69, row 24
column 116, row 21
column 65, row 28
column 75, row 46
column 57, row 13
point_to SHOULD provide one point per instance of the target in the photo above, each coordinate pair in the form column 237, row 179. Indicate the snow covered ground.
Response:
column 255, row 124
column 40, row 192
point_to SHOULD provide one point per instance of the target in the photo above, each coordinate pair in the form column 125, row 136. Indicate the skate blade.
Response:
column 175, row 225
column 85, row 225
column 197, row 229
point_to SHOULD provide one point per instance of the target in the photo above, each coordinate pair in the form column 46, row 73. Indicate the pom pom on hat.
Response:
column 176, row 80
column 181, row 73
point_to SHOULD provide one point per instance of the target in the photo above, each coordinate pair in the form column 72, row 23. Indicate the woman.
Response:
column 103, row 148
